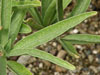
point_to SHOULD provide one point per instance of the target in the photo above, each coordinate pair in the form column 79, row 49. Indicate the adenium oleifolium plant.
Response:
column 50, row 25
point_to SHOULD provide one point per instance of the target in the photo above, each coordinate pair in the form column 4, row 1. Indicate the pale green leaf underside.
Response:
column 84, row 38
column 18, row 68
column 42, row 55
column 52, row 31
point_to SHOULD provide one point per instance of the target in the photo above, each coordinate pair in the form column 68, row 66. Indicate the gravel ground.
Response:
column 87, row 64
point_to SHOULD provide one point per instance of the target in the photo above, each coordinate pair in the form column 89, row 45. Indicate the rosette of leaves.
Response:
column 50, row 25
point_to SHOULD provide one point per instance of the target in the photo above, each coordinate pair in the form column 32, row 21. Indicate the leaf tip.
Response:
column 73, row 68
column 94, row 12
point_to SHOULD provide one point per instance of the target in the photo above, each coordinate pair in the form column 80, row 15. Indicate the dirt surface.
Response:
column 89, row 61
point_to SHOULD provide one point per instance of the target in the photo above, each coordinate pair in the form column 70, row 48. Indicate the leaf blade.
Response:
column 42, row 55
column 26, row 4
column 69, row 48
column 36, row 15
column 6, row 8
column 59, row 8
column 17, row 20
column 45, row 5
column 18, row 68
column 50, row 31
column 50, row 12
column 81, row 6
column 85, row 38
column 2, row 65
column 25, row 29
column 65, row 3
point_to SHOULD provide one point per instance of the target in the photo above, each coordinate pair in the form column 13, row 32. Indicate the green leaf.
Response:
column 17, row 20
column 8, row 46
column 45, row 5
column 69, row 48
column 49, row 14
column 42, row 55
column 59, row 7
column 66, row 3
column 18, row 68
column 78, row 42
column 33, row 24
column 2, row 65
column 36, row 15
column 6, row 9
column 81, row 6
column 82, row 38
column 26, row 4
column 51, row 31
column 0, row 14
column 25, row 29
column 6, row 13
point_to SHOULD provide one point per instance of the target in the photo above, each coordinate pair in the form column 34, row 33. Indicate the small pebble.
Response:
column 11, row 73
column 41, row 65
column 93, row 68
column 59, row 47
column 54, row 44
column 95, row 51
column 23, row 59
column 61, row 54
column 56, row 73
column 90, row 57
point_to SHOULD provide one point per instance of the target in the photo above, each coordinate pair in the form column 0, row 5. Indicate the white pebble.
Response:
column 95, row 51
column 23, row 59
column 41, row 65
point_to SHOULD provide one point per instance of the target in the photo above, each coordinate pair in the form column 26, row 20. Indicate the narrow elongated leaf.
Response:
column 50, row 12
column 59, row 7
column 36, row 15
column 2, row 65
column 69, row 48
column 81, row 6
column 45, row 4
column 6, row 13
column 51, row 31
column 6, row 8
column 25, row 29
column 42, row 55
column 26, row 4
column 17, row 20
column 82, row 38
column 18, row 68
column 65, row 4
